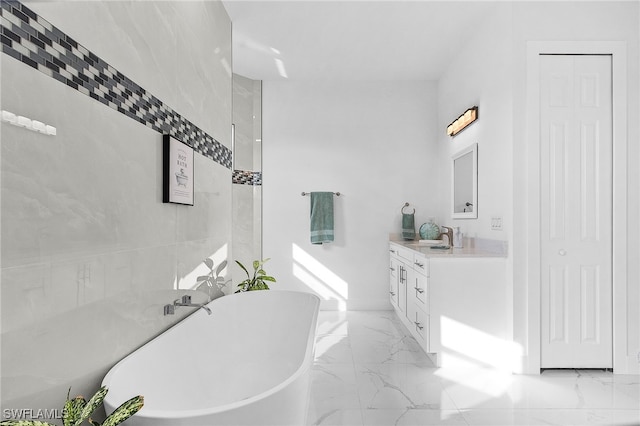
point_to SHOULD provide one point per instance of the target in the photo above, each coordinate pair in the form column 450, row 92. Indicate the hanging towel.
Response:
column 408, row 226
column 321, row 217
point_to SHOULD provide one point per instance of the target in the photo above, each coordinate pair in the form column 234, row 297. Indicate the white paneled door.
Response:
column 576, row 211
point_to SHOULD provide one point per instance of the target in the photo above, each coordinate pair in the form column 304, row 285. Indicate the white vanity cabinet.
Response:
column 411, row 300
column 418, row 300
column 455, row 303
column 394, row 271
column 399, row 263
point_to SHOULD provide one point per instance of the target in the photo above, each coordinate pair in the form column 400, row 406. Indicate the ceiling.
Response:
column 350, row 39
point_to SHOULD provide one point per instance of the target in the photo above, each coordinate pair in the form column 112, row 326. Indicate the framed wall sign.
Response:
column 178, row 174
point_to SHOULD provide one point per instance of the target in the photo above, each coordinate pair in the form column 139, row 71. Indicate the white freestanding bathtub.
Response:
column 245, row 364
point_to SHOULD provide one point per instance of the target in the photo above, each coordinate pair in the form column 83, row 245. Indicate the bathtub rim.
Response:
column 191, row 413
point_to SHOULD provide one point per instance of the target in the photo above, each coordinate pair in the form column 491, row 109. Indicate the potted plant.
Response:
column 258, row 280
column 77, row 410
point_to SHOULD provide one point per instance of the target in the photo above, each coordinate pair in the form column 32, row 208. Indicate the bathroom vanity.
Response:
column 455, row 302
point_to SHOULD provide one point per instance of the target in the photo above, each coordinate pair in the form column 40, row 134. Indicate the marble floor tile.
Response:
column 412, row 417
column 553, row 417
column 369, row 371
column 401, row 386
column 332, row 349
column 382, row 349
column 337, row 417
column 333, row 386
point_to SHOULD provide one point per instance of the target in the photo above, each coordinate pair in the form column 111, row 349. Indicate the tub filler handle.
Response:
column 169, row 309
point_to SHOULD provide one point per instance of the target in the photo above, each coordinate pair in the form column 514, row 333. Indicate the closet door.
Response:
column 576, row 211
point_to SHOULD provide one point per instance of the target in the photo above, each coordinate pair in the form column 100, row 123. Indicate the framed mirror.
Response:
column 465, row 183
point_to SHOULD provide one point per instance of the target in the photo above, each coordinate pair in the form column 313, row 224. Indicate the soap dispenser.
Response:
column 457, row 237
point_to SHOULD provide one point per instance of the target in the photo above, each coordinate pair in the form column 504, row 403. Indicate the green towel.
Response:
column 408, row 226
column 321, row 217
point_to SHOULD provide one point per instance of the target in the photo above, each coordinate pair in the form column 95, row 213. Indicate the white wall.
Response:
column 374, row 142
column 491, row 73
column 90, row 254
column 481, row 76
column 332, row 136
column 578, row 21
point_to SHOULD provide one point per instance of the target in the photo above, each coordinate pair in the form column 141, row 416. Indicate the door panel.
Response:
column 576, row 211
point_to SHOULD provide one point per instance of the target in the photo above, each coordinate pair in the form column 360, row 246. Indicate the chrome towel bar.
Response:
column 307, row 193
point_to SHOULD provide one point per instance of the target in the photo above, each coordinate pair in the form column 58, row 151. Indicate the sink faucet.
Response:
column 448, row 233
column 185, row 301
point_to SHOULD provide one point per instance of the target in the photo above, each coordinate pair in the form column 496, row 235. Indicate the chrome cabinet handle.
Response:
column 392, row 250
column 392, row 268
column 420, row 327
column 419, row 264
column 419, row 290
column 392, row 293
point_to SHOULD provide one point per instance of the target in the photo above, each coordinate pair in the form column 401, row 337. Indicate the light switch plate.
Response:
column 496, row 223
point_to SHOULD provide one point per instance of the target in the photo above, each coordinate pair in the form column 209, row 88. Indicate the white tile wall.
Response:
column 90, row 254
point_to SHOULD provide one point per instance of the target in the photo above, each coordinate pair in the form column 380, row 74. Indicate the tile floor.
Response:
column 369, row 372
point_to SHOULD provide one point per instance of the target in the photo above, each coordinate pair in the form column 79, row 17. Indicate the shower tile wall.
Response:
column 89, row 251
column 247, row 173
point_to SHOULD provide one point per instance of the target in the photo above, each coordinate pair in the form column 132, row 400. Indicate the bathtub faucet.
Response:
column 185, row 301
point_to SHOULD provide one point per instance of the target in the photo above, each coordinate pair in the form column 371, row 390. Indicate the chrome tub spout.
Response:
column 185, row 301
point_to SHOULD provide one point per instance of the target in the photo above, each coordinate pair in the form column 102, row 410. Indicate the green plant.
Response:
column 77, row 410
column 257, row 281
column 213, row 278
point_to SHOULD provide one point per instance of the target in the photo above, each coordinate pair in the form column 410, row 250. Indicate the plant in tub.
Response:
column 257, row 281
column 77, row 410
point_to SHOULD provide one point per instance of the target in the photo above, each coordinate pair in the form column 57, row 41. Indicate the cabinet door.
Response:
column 417, row 289
column 402, row 286
column 419, row 322
column 421, row 289
column 394, row 275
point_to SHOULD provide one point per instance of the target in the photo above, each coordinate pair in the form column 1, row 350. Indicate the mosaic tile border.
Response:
column 34, row 41
column 247, row 177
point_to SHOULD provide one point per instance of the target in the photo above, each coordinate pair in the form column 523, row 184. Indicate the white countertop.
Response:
column 472, row 247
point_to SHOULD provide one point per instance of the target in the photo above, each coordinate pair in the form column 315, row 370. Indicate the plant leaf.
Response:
column 209, row 263
column 124, row 411
column 72, row 410
column 202, row 278
column 268, row 278
column 92, row 405
column 256, row 264
column 243, row 268
column 24, row 423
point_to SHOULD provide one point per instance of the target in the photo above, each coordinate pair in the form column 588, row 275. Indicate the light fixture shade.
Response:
column 468, row 117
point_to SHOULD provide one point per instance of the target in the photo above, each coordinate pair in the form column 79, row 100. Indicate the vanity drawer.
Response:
column 421, row 263
column 401, row 252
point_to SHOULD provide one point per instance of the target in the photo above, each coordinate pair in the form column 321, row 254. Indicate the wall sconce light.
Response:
column 468, row 117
